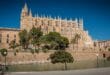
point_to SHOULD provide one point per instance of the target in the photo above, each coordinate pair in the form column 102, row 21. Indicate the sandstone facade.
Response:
column 7, row 35
column 67, row 28
column 104, row 45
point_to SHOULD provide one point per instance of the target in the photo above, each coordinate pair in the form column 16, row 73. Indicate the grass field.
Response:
column 49, row 66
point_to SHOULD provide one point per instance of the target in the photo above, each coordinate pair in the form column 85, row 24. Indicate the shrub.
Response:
column 108, row 49
column 32, row 51
column 45, row 50
column 108, row 58
column 37, row 50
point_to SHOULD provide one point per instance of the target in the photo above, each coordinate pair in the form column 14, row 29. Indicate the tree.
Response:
column 13, row 45
column 4, row 53
column 45, row 43
column 24, row 39
column 75, row 40
column 35, row 34
column 56, row 41
column 61, row 57
column 64, row 42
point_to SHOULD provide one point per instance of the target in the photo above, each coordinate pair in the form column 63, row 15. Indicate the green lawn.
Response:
column 59, row 66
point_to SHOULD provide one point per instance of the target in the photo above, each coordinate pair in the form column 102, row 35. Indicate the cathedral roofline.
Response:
column 10, row 29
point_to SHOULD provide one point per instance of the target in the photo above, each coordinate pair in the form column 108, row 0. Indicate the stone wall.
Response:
column 27, row 57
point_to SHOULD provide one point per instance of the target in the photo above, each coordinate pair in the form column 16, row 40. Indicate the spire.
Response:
column 70, row 19
column 43, row 16
column 58, row 17
column 50, row 17
column 55, row 18
column 81, row 24
column 37, row 15
column 65, row 20
column 47, row 17
column 24, row 11
column 25, row 7
column 30, row 13
column 59, row 20
column 76, row 20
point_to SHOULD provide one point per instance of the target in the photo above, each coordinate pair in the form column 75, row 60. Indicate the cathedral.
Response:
column 67, row 28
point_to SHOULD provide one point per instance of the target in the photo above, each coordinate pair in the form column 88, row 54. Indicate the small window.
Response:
column 7, row 41
column 14, row 36
column 7, row 35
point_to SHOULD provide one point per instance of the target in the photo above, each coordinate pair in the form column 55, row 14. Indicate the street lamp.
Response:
column 4, row 53
column 97, row 59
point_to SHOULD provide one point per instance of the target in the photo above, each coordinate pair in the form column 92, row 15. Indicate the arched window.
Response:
column 7, row 41
column 7, row 35
column 14, row 36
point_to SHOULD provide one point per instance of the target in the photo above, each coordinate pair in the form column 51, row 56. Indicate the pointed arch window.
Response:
column 15, row 38
column 7, row 41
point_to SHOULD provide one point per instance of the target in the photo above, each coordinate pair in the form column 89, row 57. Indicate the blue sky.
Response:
column 96, row 13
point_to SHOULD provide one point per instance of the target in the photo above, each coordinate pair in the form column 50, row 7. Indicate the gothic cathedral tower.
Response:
column 24, row 14
column 26, row 18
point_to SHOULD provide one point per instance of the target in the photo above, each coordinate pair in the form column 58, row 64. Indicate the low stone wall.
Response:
column 27, row 57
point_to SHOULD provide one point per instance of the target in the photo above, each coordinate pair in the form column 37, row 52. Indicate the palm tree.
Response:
column 24, row 39
column 77, row 36
column 75, row 40
column 35, row 35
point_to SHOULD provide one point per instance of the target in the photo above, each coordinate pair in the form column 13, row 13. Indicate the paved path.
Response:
column 100, row 71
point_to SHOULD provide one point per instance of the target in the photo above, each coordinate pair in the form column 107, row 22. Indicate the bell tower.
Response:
column 24, row 11
column 24, row 15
